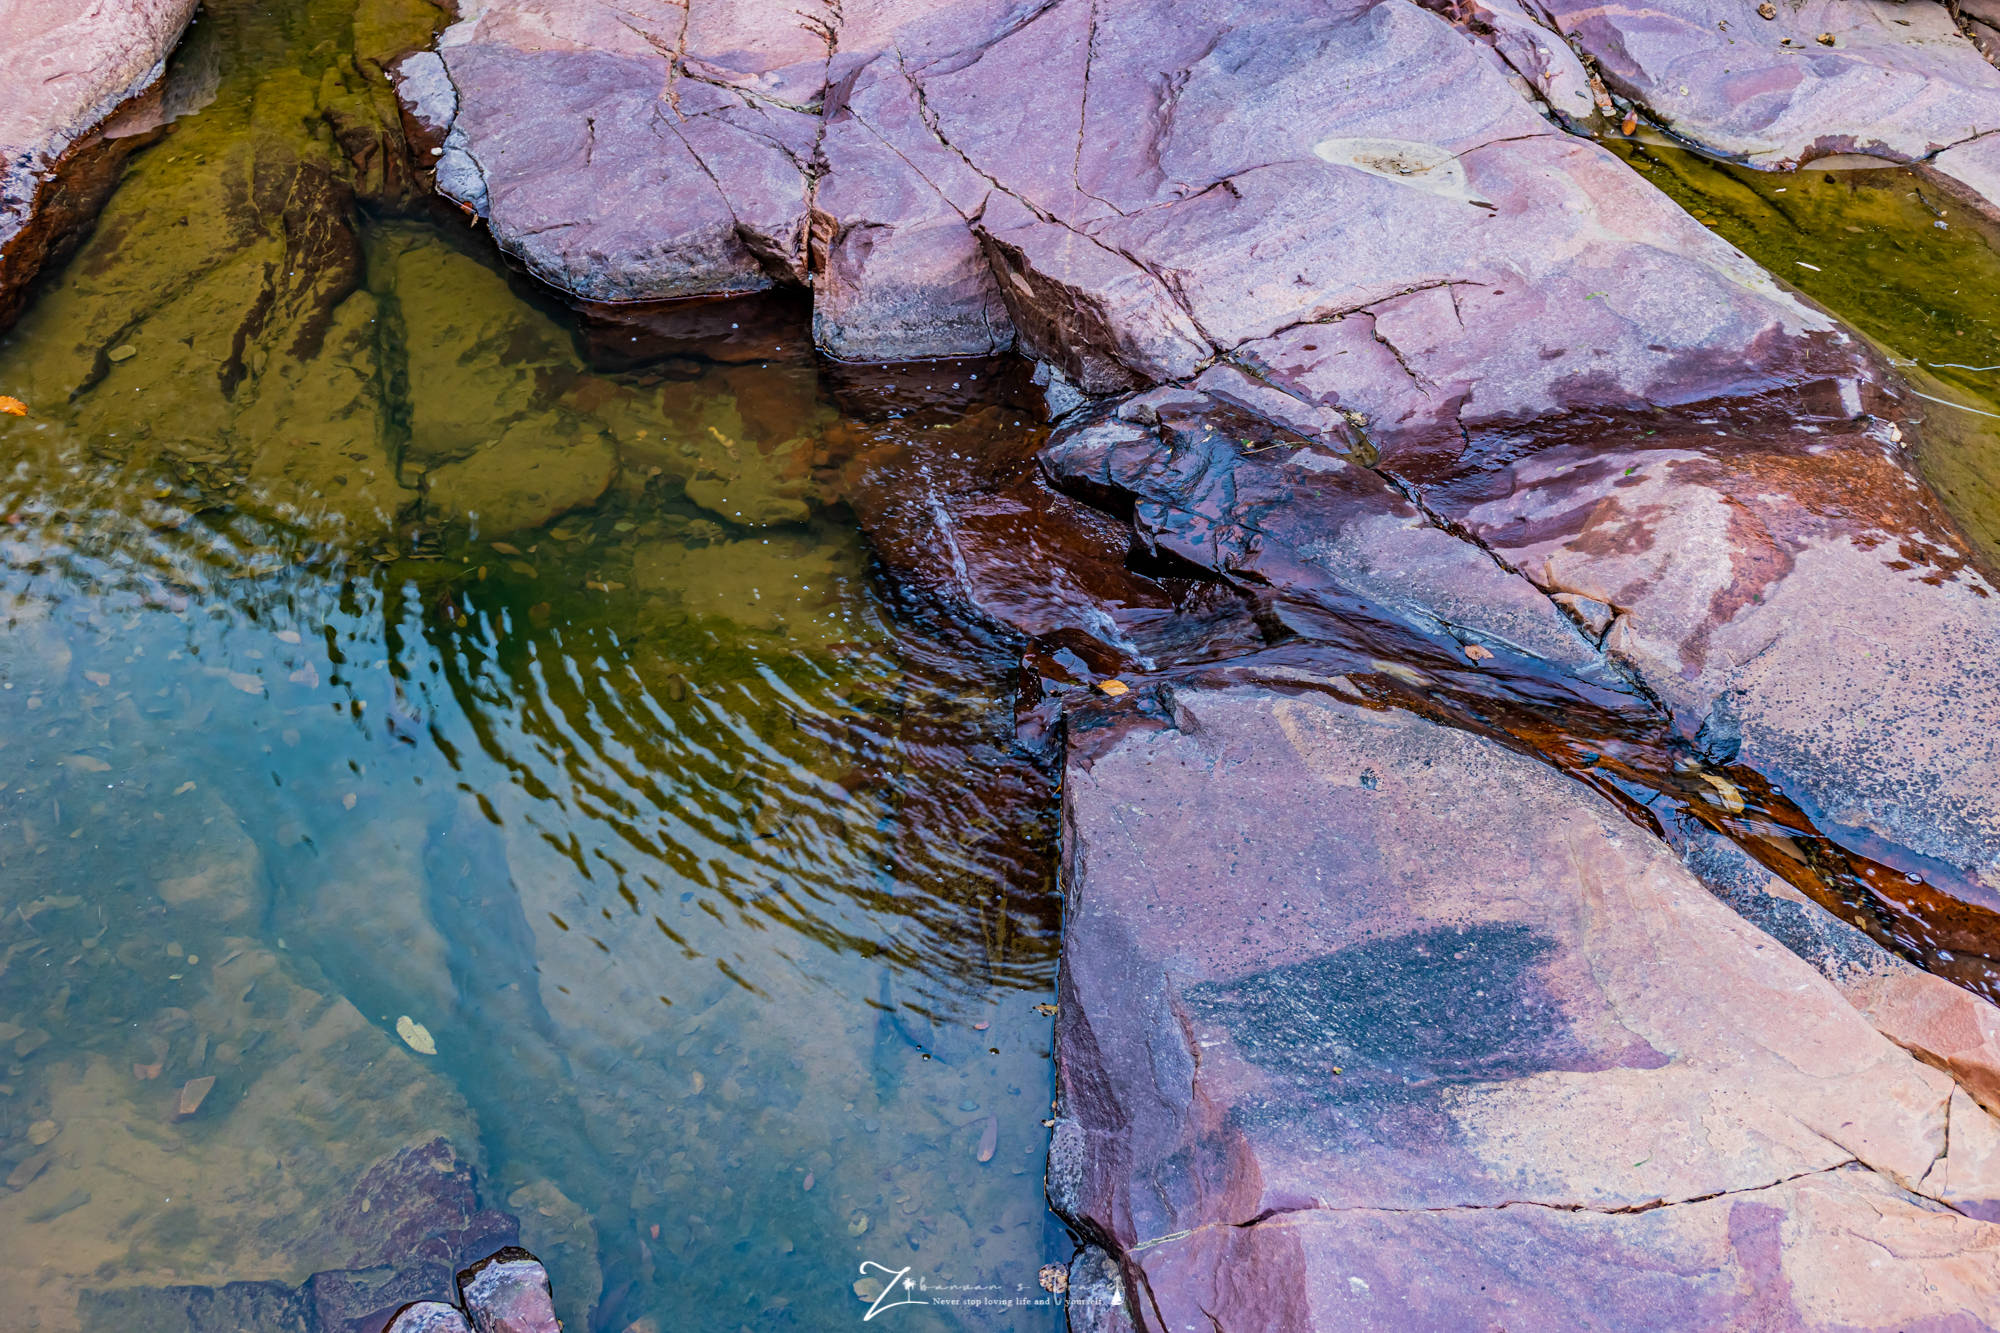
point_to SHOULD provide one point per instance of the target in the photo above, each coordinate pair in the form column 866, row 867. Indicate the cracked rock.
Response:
column 1314, row 1028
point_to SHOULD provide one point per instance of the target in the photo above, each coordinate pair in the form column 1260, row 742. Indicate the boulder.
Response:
column 1810, row 80
column 1816, row 81
column 508, row 1293
column 661, row 152
column 67, row 69
column 1326, row 1057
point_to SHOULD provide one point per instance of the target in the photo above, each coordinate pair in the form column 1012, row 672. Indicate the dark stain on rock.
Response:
column 1412, row 1012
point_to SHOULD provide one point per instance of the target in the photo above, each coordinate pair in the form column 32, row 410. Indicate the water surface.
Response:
column 383, row 648
column 1894, row 258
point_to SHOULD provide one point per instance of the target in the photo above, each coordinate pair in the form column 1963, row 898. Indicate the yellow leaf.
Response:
column 1114, row 688
column 416, row 1036
column 1727, row 795
column 13, row 407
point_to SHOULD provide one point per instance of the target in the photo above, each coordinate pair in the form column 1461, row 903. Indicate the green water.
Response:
column 1894, row 258
column 380, row 672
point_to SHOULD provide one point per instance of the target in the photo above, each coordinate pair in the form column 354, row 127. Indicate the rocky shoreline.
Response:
column 1458, row 579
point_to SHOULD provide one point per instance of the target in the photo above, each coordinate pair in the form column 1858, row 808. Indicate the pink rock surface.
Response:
column 65, row 68
column 1721, row 557
column 1939, row 1023
column 1897, row 81
column 508, row 1293
column 632, row 151
column 1312, row 1032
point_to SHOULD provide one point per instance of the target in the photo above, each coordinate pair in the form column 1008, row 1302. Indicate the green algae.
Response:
column 372, row 651
column 1910, row 269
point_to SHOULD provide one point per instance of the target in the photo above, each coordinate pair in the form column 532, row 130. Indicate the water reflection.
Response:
column 370, row 655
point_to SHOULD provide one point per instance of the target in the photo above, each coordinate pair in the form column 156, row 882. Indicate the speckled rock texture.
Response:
column 1370, row 1023
column 65, row 67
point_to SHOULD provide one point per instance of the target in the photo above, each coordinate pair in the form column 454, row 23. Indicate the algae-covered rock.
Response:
column 789, row 584
column 741, row 444
column 534, row 473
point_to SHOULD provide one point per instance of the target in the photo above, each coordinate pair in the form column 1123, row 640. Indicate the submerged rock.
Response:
column 1325, row 1059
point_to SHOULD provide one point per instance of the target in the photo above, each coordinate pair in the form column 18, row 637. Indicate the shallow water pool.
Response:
column 424, row 712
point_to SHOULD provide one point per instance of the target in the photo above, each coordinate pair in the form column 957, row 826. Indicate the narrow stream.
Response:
column 395, row 663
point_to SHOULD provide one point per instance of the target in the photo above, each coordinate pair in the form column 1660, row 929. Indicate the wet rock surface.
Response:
column 1465, row 422
column 1781, row 86
column 1311, row 1030
column 508, row 1293
column 1805, row 81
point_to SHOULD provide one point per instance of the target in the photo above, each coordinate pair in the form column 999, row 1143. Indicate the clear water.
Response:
column 375, row 657
column 1897, row 260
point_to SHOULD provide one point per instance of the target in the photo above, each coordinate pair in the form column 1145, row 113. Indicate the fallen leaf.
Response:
column 1114, row 688
column 981, row 1025
column 1825, row 39
column 42, row 1131
column 88, row 763
column 1045, row 1010
column 989, row 1138
column 123, row 352
column 505, row 548
column 13, row 407
column 415, row 1035
column 184, row 789
column 245, row 682
column 193, row 1093
column 347, row 801
column 289, row 636
column 1727, row 794
column 146, row 1073
column 1630, row 124
column 524, row 569
column 1408, row 675
column 101, row 679
column 306, row 676
column 808, row 1181
column 698, row 1081
column 1478, row 652
column 857, row 1223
